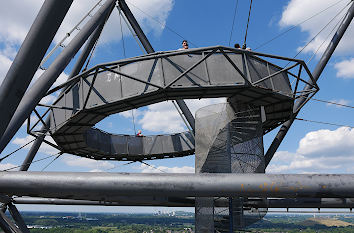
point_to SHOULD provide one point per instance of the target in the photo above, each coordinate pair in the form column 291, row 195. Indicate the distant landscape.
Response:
column 175, row 222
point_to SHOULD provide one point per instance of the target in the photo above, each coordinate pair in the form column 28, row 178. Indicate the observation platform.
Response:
column 210, row 72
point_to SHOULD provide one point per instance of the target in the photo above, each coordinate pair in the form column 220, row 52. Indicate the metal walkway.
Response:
column 115, row 87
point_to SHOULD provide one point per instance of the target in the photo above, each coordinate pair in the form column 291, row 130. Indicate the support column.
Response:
column 42, row 85
column 75, row 71
column 7, row 225
column 29, row 57
column 316, row 75
column 228, row 140
column 212, row 155
column 18, row 218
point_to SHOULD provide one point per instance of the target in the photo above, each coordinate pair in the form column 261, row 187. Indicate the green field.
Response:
column 51, row 222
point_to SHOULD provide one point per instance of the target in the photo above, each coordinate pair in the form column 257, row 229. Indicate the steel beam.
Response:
column 301, row 203
column 29, row 57
column 187, row 113
column 4, row 225
column 136, row 27
column 316, row 74
column 7, row 225
column 42, row 85
column 334, row 203
column 75, row 71
column 123, row 201
column 18, row 218
column 106, row 186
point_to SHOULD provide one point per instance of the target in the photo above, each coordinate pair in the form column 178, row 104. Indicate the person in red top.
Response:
column 139, row 134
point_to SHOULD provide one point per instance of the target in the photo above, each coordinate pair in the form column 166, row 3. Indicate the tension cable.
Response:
column 60, row 153
column 248, row 21
column 324, row 123
column 162, row 24
column 334, row 103
column 122, row 35
column 140, row 161
column 314, row 37
column 6, row 156
column 233, row 22
column 11, row 168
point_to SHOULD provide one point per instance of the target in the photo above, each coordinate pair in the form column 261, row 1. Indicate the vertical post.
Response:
column 316, row 74
column 231, row 217
column 75, row 71
column 42, row 85
column 29, row 57
column 149, row 49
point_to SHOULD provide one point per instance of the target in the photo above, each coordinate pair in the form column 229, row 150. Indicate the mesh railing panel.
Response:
column 229, row 140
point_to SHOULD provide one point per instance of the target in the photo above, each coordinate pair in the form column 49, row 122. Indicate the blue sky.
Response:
column 308, row 147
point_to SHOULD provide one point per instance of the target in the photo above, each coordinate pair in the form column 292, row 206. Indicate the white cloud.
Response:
column 5, row 64
column 33, row 120
column 195, row 104
column 164, row 116
column 17, row 16
column 340, row 101
column 128, row 114
column 60, row 80
column 48, row 99
column 45, row 148
column 5, row 166
column 96, row 170
column 285, row 162
column 299, row 10
column 76, row 161
column 321, row 151
column 70, row 160
column 345, row 69
column 151, row 15
column 148, row 169
column 339, row 142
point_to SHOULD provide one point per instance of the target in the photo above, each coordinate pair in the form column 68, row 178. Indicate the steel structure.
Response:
column 103, row 186
column 119, row 86
column 190, row 202
column 226, row 138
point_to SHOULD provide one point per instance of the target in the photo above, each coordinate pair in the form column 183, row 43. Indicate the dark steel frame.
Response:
column 299, row 64
column 313, row 186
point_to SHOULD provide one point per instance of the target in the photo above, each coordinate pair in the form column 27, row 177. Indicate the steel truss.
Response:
column 172, row 189
column 169, row 91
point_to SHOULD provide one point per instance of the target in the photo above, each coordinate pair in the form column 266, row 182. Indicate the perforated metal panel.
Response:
column 229, row 140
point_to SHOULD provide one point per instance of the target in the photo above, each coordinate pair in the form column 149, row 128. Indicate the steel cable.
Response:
column 248, row 21
column 233, row 22
column 1, row 159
